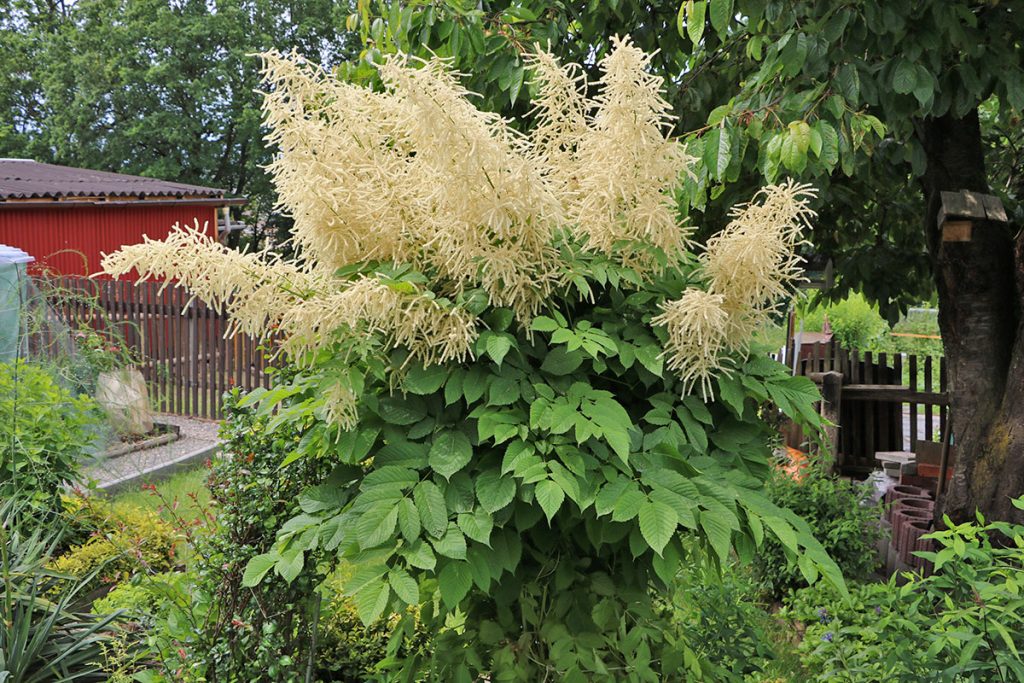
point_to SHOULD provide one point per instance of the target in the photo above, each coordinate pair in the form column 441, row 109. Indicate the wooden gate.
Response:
column 889, row 402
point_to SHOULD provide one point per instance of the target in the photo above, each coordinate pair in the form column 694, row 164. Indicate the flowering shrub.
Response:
column 495, row 339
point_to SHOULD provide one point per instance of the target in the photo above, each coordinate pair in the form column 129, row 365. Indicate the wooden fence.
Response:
column 889, row 401
column 182, row 352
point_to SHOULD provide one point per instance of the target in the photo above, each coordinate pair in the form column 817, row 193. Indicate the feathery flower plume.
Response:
column 698, row 335
column 560, row 108
column 628, row 166
column 253, row 289
column 753, row 263
column 342, row 168
column 749, row 267
column 486, row 216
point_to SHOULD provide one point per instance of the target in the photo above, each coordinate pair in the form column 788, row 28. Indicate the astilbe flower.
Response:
column 749, row 267
column 627, row 165
column 698, row 334
column 415, row 174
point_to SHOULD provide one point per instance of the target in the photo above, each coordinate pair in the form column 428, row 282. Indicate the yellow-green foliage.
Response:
column 123, row 540
column 349, row 649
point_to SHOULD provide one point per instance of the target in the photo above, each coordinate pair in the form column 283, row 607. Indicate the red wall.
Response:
column 69, row 239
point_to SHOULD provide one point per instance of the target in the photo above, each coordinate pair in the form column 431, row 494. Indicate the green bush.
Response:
column 46, row 631
column 724, row 622
column 121, row 541
column 855, row 323
column 963, row 623
column 349, row 650
column 841, row 518
column 251, row 633
column 45, row 434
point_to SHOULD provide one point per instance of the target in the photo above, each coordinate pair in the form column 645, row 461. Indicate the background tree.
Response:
column 156, row 88
column 877, row 101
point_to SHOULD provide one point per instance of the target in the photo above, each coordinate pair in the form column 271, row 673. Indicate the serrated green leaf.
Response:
column 398, row 410
column 371, row 601
column 503, row 391
column 848, row 83
column 404, row 586
column 431, row 506
column 420, row 555
column 257, row 568
column 498, row 347
column 718, row 532
column 452, row 544
column 408, row 520
column 560, row 361
column 425, row 380
column 829, row 154
column 721, row 12
column 495, row 491
column 904, row 77
column 628, row 505
column 477, row 526
column 658, row 524
column 454, row 582
column 550, row 497
column 377, row 525
column 696, row 11
column 450, row 452
column 649, row 356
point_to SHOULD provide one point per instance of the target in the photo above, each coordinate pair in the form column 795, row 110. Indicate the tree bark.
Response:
column 979, row 316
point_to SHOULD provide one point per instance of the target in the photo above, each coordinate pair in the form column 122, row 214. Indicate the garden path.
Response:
column 198, row 441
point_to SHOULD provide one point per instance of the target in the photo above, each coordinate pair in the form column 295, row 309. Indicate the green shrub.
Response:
column 46, row 632
column 855, row 323
column 121, row 541
column 841, row 518
column 45, row 434
column 724, row 622
column 250, row 633
column 349, row 650
column 963, row 623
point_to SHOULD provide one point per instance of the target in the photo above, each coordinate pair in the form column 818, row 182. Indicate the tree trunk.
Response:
column 979, row 305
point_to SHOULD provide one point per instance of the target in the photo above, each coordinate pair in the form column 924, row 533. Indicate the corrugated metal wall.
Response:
column 69, row 239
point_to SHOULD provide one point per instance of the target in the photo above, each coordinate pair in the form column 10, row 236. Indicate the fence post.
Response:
column 831, row 400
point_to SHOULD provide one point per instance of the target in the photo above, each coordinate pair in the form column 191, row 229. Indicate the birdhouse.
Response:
column 960, row 211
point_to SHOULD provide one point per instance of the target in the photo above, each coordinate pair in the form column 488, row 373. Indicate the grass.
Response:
column 187, row 489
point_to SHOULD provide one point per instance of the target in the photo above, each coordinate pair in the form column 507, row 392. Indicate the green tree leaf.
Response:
column 477, row 526
column 452, row 544
column 904, row 77
column 377, row 524
column 658, row 524
column 404, row 586
column 408, row 520
column 372, row 600
column 550, row 496
column 454, row 582
column 431, row 506
column 257, row 568
column 450, row 452
column 494, row 491
column 696, row 13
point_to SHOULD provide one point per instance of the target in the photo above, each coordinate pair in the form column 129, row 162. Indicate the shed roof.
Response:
column 25, row 180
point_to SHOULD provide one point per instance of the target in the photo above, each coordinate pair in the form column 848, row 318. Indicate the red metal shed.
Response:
column 66, row 217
